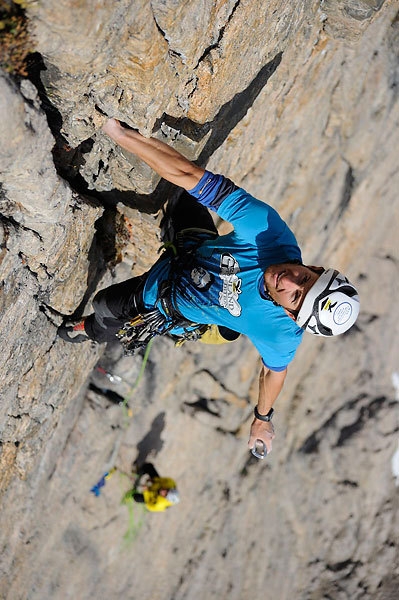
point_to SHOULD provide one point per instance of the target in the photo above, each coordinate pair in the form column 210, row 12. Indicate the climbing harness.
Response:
column 137, row 332
column 182, row 257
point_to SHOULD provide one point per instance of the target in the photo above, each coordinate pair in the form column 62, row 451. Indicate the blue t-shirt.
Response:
column 225, row 285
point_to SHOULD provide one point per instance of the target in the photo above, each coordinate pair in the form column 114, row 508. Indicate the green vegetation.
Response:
column 15, row 42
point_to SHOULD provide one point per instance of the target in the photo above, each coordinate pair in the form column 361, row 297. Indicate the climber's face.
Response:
column 287, row 284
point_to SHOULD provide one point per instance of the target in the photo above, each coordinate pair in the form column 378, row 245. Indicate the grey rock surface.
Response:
column 298, row 103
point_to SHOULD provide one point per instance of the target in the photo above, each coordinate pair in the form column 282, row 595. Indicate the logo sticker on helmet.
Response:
column 328, row 305
column 342, row 313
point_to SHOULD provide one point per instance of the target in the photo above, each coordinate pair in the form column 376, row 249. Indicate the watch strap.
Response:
column 266, row 418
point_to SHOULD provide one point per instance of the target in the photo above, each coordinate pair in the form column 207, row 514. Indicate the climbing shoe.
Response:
column 73, row 331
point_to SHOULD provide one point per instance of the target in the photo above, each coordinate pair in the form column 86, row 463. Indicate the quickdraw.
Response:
column 137, row 332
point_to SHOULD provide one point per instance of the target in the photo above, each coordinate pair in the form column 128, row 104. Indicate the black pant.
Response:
column 148, row 469
column 113, row 307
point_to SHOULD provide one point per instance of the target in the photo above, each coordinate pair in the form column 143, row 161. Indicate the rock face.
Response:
column 298, row 103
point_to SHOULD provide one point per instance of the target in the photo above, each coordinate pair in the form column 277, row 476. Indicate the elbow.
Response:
column 283, row 372
column 275, row 375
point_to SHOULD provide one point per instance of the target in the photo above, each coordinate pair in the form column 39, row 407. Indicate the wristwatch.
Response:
column 266, row 418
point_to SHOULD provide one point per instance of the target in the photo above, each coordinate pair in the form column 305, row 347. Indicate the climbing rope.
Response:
column 96, row 489
column 135, row 385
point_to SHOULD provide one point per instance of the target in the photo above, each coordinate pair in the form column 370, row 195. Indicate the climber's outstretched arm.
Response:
column 167, row 162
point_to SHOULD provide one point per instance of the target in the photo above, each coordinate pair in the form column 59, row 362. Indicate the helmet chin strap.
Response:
column 267, row 296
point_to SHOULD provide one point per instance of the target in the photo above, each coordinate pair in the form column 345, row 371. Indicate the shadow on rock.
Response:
column 151, row 442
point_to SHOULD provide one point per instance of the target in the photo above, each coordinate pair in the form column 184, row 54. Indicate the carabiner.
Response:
column 259, row 450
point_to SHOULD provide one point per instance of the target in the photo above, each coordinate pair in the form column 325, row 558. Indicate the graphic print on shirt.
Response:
column 228, row 297
column 201, row 278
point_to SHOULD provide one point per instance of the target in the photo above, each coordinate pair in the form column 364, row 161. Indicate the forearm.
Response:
column 270, row 385
column 167, row 162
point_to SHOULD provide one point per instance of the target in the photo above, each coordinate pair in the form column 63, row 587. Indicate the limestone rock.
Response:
column 298, row 103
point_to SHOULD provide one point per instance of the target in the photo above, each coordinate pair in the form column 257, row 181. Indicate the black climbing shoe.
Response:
column 73, row 331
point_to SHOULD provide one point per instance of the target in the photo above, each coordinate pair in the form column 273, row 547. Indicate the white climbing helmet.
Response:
column 330, row 307
column 173, row 496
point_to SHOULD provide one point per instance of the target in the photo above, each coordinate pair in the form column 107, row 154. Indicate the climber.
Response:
column 158, row 493
column 251, row 281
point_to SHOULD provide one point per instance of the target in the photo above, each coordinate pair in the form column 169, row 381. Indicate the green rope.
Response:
column 168, row 246
column 135, row 514
column 135, row 524
column 138, row 379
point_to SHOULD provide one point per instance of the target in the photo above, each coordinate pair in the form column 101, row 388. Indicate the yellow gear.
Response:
column 212, row 335
column 153, row 501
